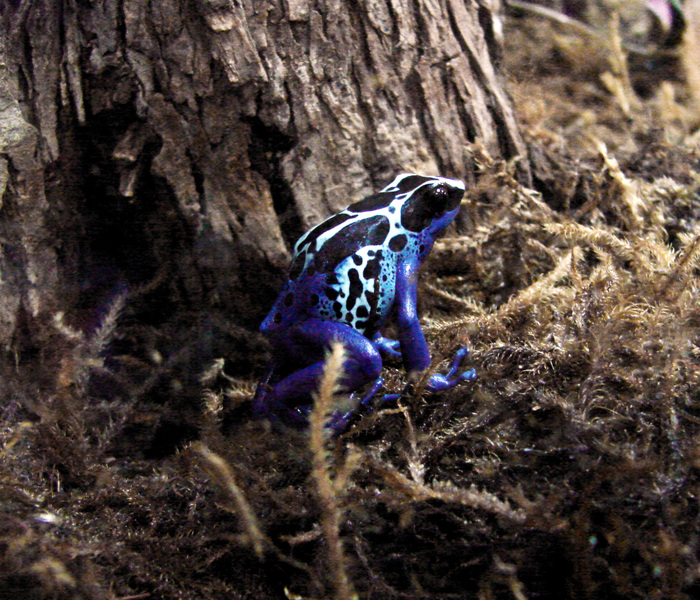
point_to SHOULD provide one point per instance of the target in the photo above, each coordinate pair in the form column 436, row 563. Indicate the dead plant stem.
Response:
column 331, row 513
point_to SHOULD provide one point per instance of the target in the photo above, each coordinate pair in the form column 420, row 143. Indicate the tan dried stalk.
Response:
column 681, row 275
column 331, row 512
column 219, row 470
column 628, row 188
column 619, row 248
column 445, row 492
column 541, row 292
column 618, row 79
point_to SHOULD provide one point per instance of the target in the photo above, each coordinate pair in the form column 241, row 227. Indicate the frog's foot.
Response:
column 387, row 346
column 439, row 383
column 340, row 421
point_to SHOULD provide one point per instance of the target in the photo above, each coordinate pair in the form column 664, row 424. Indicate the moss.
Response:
column 569, row 469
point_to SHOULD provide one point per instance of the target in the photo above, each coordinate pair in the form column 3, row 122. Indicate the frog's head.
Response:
column 430, row 203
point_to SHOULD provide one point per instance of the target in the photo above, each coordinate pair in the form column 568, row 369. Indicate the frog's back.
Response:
column 344, row 269
column 350, row 279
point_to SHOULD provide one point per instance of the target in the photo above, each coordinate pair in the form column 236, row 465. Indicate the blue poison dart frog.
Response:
column 349, row 276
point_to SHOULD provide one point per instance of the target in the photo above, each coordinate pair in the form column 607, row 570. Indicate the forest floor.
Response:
column 569, row 469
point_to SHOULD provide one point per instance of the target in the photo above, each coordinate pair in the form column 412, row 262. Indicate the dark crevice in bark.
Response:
column 396, row 40
column 485, row 17
column 369, row 149
column 122, row 241
column 19, row 49
column 120, row 21
column 464, row 45
column 505, row 141
column 267, row 148
column 360, row 23
column 421, row 28
column 328, row 21
column 197, row 175
column 466, row 119
column 419, row 102
column 300, row 32
column 13, row 254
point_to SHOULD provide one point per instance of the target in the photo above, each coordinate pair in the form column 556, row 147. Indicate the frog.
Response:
column 351, row 275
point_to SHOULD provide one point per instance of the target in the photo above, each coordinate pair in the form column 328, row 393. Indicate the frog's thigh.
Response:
column 362, row 365
column 363, row 362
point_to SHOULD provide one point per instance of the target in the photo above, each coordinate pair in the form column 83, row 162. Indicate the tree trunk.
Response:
column 174, row 151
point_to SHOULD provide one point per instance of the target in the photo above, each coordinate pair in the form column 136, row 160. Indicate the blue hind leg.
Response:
column 290, row 398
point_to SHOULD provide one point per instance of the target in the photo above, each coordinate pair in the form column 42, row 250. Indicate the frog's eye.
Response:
column 429, row 202
column 438, row 197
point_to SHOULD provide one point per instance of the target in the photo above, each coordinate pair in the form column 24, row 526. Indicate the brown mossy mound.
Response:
column 569, row 469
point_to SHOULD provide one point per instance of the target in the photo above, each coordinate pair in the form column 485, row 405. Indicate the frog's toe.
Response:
column 438, row 383
column 456, row 361
column 469, row 375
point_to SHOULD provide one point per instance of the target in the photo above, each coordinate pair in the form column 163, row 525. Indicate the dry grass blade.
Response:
column 619, row 248
column 105, row 332
column 684, row 265
column 331, row 513
column 222, row 473
column 542, row 292
column 540, row 288
column 465, row 303
column 618, row 79
column 628, row 188
column 445, row 492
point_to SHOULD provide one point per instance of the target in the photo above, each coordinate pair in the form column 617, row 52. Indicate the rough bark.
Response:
column 177, row 148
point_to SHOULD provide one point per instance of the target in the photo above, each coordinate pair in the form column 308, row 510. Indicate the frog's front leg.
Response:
column 438, row 382
column 291, row 397
column 414, row 348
